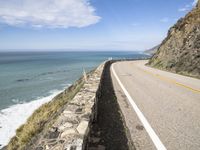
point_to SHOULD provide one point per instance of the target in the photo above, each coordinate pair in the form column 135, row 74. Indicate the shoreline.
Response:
column 12, row 117
column 42, row 116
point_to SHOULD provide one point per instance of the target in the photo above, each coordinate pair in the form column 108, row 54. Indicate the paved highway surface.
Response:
column 161, row 109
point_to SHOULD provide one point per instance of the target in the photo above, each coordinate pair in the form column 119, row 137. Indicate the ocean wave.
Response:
column 66, row 84
column 17, row 101
column 11, row 118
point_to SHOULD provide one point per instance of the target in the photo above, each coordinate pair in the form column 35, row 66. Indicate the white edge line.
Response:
column 157, row 142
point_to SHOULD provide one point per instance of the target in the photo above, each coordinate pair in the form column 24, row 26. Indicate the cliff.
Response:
column 180, row 51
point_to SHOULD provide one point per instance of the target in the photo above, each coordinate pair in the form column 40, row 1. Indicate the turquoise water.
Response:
column 26, row 76
column 30, row 79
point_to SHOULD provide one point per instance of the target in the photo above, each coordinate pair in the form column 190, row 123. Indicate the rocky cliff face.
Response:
column 180, row 51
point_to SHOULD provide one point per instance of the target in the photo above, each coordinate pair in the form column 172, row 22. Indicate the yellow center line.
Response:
column 172, row 81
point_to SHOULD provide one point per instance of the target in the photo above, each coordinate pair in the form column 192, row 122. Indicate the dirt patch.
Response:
column 139, row 127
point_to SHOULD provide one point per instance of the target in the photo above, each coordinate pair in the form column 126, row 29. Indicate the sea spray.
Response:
column 11, row 118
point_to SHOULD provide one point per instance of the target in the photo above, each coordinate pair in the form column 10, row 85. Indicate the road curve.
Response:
column 161, row 109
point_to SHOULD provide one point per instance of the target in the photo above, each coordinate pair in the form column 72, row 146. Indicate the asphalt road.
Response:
column 161, row 109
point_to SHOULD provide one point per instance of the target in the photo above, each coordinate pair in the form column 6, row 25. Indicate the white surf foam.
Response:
column 11, row 118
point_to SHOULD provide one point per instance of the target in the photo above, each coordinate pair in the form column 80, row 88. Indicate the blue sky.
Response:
column 87, row 24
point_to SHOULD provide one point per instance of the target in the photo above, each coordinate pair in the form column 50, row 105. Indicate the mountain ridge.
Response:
column 152, row 50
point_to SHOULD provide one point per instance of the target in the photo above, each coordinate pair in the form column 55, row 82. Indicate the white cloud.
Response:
column 182, row 9
column 188, row 6
column 195, row 2
column 48, row 13
column 135, row 24
column 165, row 20
column 185, row 8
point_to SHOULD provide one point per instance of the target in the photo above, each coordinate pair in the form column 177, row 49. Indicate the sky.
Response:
column 94, row 25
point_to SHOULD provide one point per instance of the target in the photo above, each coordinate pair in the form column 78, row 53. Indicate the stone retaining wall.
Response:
column 108, row 130
column 72, row 126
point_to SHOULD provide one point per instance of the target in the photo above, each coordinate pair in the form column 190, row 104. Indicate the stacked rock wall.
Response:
column 72, row 126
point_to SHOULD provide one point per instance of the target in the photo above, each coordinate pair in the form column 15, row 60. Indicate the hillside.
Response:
column 152, row 50
column 180, row 51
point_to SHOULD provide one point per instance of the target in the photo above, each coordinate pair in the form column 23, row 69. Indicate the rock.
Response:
column 51, row 141
column 57, row 147
column 88, row 110
column 64, row 126
column 67, row 112
column 82, row 127
column 67, row 132
column 198, row 3
column 52, row 134
column 72, row 108
column 53, row 129
column 72, row 118
column 39, row 148
column 61, row 141
column 74, row 145
column 86, row 116
column 79, row 111
column 47, row 147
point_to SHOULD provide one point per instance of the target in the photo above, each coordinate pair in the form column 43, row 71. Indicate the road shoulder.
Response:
column 137, row 132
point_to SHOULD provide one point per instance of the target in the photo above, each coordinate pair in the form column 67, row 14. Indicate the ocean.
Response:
column 30, row 79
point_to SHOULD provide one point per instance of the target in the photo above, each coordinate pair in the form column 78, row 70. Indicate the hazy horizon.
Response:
column 67, row 50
